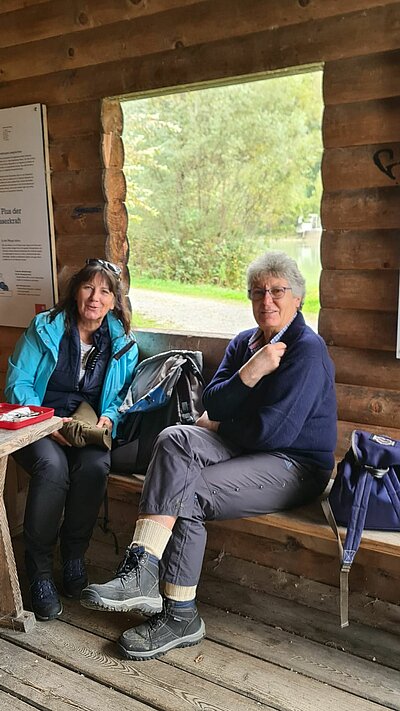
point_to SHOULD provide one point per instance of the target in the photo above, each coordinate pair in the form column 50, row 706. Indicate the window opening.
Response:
column 214, row 177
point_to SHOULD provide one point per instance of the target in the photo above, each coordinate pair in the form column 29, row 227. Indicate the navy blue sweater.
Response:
column 292, row 410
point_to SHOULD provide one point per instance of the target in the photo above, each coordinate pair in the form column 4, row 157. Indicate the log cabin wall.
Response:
column 71, row 55
column 360, row 245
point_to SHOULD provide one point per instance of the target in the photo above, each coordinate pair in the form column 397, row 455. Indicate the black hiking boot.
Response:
column 135, row 587
column 173, row 627
column 74, row 577
column 45, row 601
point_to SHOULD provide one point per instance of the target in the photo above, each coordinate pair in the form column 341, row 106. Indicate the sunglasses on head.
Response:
column 113, row 268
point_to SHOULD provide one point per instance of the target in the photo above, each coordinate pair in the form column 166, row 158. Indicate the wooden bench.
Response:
column 297, row 541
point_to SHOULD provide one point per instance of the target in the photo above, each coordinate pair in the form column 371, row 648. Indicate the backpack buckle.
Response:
column 375, row 472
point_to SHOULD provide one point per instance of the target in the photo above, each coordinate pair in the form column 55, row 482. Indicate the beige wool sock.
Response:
column 153, row 536
column 180, row 593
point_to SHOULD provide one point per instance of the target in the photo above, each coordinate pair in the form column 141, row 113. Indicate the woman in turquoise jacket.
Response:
column 81, row 351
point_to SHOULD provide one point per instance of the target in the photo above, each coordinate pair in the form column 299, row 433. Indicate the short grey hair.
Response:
column 278, row 264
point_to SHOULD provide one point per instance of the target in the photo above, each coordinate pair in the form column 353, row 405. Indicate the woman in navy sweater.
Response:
column 265, row 443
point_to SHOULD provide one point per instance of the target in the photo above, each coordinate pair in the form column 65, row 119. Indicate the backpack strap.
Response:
column 344, row 577
column 187, row 411
column 348, row 550
column 392, row 485
column 352, row 541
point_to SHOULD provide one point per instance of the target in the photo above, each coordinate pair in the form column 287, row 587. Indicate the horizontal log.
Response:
column 9, row 336
column 32, row 24
column 59, row 17
column 361, row 209
column 114, row 183
column 320, row 40
column 87, row 219
column 201, row 23
column 116, row 216
column 71, row 120
column 79, row 187
column 361, row 123
column 117, row 250
column 373, row 76
column 369, row 249
column 350, row 289
column 76, row 153
column 2, row 385
column 112, row 151
column 345, row 430
column 112, row 117
column 212, row 347
column 358, row 329
column 355, row 366
column 11, row 5
column 72, row 250
column 357, row 167
column 375, row 406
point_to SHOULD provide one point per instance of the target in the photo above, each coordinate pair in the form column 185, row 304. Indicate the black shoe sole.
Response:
column 42, row 618
column 189, row 641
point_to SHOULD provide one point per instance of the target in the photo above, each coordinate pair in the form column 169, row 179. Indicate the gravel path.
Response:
column 194, row 314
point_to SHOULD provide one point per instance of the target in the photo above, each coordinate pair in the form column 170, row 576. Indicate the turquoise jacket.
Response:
column 35, row 357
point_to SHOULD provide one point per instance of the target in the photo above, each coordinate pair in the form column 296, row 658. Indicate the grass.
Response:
column 210, row 291
column 206, row 291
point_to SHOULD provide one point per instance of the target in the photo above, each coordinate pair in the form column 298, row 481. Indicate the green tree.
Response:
column 213, row 174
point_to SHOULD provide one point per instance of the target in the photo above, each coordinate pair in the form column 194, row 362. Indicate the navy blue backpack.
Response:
column 365, row 495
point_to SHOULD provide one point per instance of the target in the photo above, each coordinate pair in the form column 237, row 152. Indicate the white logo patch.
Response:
column 381, row 439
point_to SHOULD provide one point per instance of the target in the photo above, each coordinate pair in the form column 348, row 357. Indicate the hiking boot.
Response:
column 45, row 601
column 173, row 627
column 135, row 587
column 74, row 577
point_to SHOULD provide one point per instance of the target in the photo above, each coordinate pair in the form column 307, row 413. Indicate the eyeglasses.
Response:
column 276, row 293
column 113, row 268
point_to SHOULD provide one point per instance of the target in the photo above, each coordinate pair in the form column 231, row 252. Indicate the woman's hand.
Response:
column 204, row 421
column 58, row 437
column 264, row 362
column 104, row 422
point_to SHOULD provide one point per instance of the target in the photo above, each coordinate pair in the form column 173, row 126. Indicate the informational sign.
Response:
column 27, row 254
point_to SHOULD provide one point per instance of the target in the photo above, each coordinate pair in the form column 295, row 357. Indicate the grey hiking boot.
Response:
column 173, row 627
column 135, row 587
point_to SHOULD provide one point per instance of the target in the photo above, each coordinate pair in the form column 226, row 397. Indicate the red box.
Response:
column 44, row 414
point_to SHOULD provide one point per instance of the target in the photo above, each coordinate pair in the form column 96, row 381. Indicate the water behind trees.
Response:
column 306, row 252
column 194, row 314
column 214, row 174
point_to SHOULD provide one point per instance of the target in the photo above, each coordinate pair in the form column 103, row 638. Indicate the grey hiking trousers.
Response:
column 197, row 476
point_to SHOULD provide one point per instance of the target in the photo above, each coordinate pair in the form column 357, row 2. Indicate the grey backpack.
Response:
column 166, row 390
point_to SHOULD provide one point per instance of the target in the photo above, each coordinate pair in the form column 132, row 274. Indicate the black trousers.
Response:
column 196, row 476
column 66, row 485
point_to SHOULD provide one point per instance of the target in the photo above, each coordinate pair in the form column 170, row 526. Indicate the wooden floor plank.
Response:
column 46, row 685
column 320, row 596
column 11, row 703
column 321, row 626
column 330, row 666
column 267, row 652
column 355, row 676
column 318, row 626
column 150, row 682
